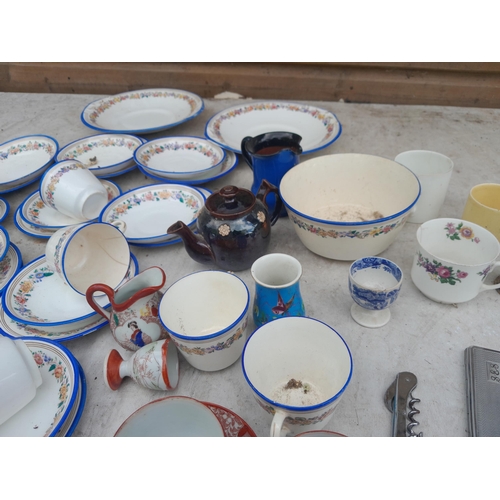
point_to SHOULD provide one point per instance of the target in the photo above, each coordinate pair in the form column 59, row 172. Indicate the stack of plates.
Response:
column 35, row 218
column 181, row 158
column 10, row 259
column 59, row 401
column 37, row 303
column 23, row 160
column 105, row 155
column 148, row 211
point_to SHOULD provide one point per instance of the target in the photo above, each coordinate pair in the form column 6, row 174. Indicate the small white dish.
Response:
column 105, row 155
column 181, row 158
column 36, row 296
column 228, row 165
column 47, row 413
column 9, row 265
column 318, row 127
column 4, row 242
column 4, row 209
column 23, row 160
column 142, row 111
column 148, row 211
column 36, row 213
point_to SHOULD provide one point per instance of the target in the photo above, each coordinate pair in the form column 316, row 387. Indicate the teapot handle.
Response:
column 245, row 152
column 89, row 295
column 266, row 188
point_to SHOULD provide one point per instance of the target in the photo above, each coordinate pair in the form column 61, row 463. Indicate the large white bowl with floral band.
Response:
column 148, row 211
column 52, row 406
column 347, row 206
column 206, row 315
column 181, row 158
column 105, row 155
column 24, row 159
column 142, row 111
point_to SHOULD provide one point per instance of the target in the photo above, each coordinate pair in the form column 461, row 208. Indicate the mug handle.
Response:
column 277, row 424
column 245, row 152
column 265, row 188
column 491, row 287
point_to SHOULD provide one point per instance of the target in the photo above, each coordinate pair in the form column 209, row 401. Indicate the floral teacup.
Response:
column 453, row 259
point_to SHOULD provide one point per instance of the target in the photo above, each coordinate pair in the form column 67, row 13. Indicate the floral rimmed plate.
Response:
column 69, row 426
column 181, row 158
column 142, row 111
column 318, row 127
column 105, row 155
column 30, row 230
column 10, row 265
column 24, row 159
column 4, row 209
column 47, row 413
column 38, row 298
column 36, row 213
column 228, row 165
column 149, row 211
column 4, row 242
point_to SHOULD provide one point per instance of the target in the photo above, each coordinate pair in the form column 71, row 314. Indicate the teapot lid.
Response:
column 230, row 202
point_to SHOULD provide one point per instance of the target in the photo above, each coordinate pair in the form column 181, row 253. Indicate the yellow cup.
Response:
column 483, row 207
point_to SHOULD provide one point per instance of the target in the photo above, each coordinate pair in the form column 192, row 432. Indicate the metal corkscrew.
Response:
column 398, row 398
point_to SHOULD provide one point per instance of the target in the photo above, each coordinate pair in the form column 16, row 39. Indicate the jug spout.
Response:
column 196, row 246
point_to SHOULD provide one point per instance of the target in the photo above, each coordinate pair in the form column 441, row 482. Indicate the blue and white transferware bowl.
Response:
column 347, row 206
column 374, row 284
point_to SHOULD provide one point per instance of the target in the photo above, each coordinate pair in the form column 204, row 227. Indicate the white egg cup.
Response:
column 374, row 284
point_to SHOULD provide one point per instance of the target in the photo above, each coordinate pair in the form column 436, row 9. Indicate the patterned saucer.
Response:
column 233, row 424
column 47, row 413
column 35, row 213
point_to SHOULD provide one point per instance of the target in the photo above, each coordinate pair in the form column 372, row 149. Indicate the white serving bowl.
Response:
column 181, row 158
column 347, row 206
column 105, row 155
column 206, row 315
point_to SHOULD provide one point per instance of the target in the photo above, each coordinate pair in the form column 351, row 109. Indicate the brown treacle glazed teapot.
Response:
column 234, row 227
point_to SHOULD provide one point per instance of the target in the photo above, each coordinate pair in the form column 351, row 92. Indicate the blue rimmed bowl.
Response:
column 206, row 315
column 346, row 206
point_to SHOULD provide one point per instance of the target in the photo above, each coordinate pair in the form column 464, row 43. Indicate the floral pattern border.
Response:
column 22, row 295
column 60, row 372
column 332, row 233
column 107, row 104
column 136, row 199
column 54, row 181
column 88, row 146
column 211, row 153
column 201, row 351
column 325, row 117
column 13, row 150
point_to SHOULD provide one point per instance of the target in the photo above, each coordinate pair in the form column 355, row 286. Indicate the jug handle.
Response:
column 491, row 287
column 89, row 295
column 245, row 152
column 266, row 188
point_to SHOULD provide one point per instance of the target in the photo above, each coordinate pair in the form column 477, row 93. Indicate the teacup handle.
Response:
column 277, row 424
column 491, row 287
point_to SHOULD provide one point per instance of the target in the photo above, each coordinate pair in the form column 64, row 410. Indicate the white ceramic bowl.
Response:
column 346, row 206
column 105, row 155
column 206, row 314
column 181, row 158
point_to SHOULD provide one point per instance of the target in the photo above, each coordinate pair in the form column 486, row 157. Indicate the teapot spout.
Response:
column 196, row 246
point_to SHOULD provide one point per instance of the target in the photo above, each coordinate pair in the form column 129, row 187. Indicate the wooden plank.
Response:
column 448, row 84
